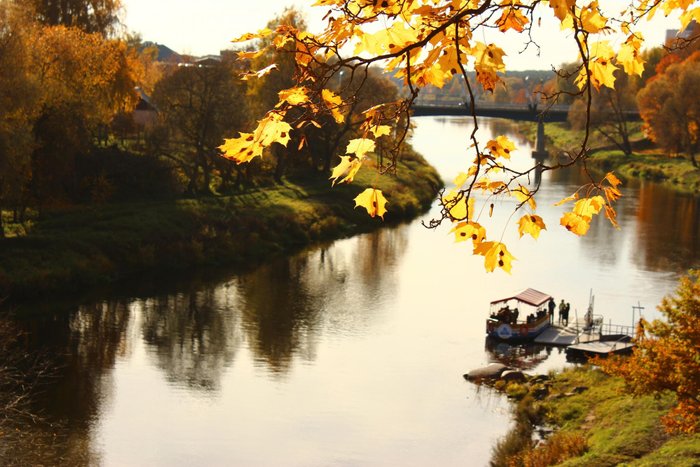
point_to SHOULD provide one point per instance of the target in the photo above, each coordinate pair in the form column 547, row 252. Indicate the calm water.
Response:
column 347, row 354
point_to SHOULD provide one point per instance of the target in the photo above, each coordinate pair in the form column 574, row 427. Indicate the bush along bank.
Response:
column 582, row 417
column 82, row 247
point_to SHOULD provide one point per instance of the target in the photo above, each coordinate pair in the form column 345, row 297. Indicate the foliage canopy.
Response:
column 427, row 43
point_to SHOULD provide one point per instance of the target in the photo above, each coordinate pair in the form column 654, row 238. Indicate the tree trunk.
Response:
column 281, row 165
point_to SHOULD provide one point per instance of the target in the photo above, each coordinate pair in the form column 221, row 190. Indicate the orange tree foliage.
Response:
column 671, row 117
column 667, row 356
column 58, row 86
column 426, row 43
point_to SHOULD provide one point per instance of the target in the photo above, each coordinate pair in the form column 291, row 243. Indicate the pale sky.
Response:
column 207, row 26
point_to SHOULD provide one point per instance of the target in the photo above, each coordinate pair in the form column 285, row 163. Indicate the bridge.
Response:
column 521, row 112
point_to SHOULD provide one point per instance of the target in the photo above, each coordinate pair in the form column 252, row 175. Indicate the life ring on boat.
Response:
column 504, row 331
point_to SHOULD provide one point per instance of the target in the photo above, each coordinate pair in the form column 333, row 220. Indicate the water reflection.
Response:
column 520, row 356
column 668, row 230
column 194, row 335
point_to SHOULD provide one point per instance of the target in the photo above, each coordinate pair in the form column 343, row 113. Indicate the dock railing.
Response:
column 595, row 328
column 621, row 329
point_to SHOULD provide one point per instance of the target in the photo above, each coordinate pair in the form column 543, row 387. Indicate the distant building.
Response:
column 145, row 113
column 687, row 34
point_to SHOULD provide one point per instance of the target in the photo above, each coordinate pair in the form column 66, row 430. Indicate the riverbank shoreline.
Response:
column 581, row 416
column 97, row 245
column 647, row 162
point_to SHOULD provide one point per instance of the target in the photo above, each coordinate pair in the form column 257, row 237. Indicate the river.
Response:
column 350, row 353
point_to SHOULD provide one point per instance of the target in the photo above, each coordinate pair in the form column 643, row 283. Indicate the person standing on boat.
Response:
column 562, row 307
column 567, row 307
column 551, row 306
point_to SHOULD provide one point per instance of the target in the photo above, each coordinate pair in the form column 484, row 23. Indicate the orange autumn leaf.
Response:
column 576, row 223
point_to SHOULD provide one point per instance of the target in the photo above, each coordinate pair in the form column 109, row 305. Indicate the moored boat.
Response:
column 520, row 317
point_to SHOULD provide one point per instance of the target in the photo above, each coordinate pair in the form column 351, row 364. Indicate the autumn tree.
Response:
column 85, row 80
column 91, row 16
column 20, row 103
column 198, row 105
column 665, row 357
column 672, row 119
column 427, row 43
column 609, row 112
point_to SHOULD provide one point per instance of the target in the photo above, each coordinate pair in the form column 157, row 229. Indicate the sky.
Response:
column 207, row 26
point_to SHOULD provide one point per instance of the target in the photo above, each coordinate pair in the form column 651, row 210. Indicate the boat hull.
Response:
column 516, row 332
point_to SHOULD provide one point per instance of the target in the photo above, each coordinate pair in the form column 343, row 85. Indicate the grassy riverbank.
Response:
column 647, row 162
column 94, row 245
column 595, row 421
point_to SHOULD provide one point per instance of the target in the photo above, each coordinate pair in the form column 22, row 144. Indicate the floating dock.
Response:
column 607, row 345
column 564, row 336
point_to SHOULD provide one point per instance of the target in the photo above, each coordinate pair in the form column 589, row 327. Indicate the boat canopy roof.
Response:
column 530, row 296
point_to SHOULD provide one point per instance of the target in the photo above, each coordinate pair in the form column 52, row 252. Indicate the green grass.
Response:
column 618, row 428
column 80, row 247
column 646, row 162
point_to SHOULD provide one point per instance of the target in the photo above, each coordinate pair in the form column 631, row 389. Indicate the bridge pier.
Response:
column 540, row 154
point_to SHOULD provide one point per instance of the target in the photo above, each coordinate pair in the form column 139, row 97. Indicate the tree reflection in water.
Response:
column 289, row 303
column 195, row 334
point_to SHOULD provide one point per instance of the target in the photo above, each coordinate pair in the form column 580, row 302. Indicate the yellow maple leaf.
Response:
column 253, row 35
column 588, row 207
column 501, row 147
column 630, row 56
column 272, row 129
column 380, row 130
column 373, row 201
column 294, row 96
column 495, row 255
column 488, row 62
column 562, row 8
column 567, row 199
column 348, row 166
column 575, row 223
column 522, row 194
column 391, row 39
column 473, row 231
column 531, row 224
column 250, row 55
column 512, row 18
column 333, row 103
column 360, row 147
column 591, row 19
column 457, row 206
column 241, row 149
column 460, row 179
